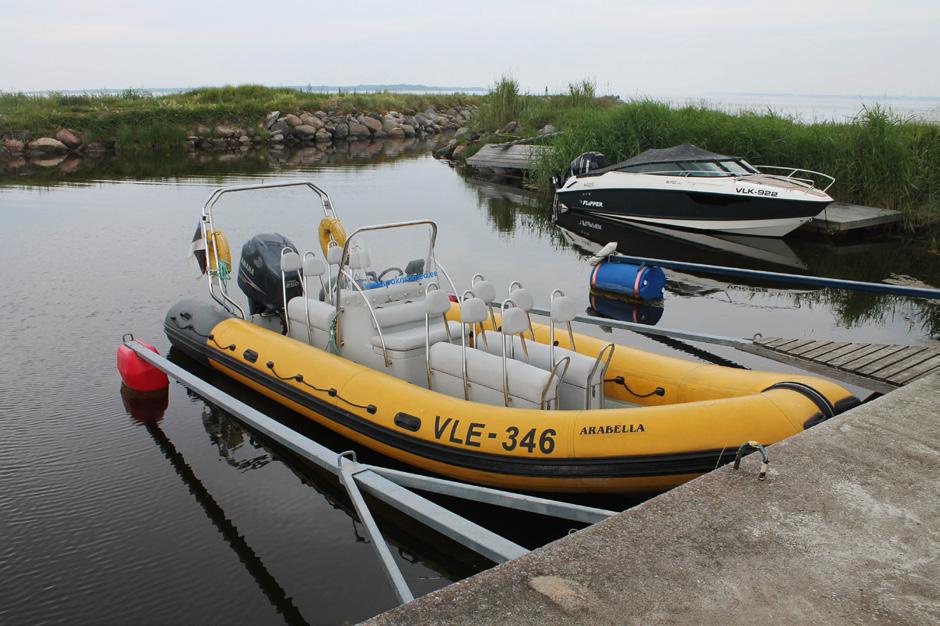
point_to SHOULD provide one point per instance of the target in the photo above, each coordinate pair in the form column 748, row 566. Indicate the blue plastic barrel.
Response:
column 643, row 282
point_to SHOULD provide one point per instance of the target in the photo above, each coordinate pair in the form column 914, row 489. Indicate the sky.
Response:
column 629, row 48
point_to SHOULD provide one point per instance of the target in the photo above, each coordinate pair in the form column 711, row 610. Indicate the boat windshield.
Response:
column 738, row 168
column 678, row 168
column 386, row 256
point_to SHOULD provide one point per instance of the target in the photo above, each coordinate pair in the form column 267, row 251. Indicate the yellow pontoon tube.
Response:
column 703, row 414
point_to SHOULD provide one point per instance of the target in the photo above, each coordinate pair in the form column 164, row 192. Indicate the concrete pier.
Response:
column 844, row 530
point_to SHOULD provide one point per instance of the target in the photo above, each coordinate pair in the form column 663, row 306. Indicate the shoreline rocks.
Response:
column 276, row 129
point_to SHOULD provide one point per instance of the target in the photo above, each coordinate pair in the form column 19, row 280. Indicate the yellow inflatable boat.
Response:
column 466, row 385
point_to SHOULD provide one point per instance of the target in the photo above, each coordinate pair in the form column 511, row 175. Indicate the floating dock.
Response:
column 874, row 366
column 845, row 529
column 839, row 218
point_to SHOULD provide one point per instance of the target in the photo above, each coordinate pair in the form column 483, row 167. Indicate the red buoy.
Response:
column 136, row 373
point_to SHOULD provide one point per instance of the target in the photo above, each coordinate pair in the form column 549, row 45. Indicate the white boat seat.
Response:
column 525, row 381
column 396, row 314
column 484, row 290
column 522, row 298
column 563, row 309
column 414, row 337
column 539, row 356
column 334, row 254
column 320, row 312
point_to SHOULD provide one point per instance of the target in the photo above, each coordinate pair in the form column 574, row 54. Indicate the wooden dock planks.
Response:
column 506, row 157
column 882, row 367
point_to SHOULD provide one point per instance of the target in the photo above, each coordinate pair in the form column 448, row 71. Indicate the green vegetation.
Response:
column 163, row 121
column 505, row 103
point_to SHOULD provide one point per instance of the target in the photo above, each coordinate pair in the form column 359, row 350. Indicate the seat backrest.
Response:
column 514, row 321
column 563, row 309
column 484, row 290
column 473, row 311
column 522, row 298
column 437, row 302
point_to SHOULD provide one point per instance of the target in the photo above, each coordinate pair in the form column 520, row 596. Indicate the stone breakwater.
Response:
column 276, row 131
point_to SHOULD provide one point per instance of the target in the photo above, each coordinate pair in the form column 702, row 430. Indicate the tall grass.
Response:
column 505, row 103
column 878, row 158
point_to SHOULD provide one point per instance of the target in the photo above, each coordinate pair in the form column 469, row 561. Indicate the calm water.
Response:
column 191, row 519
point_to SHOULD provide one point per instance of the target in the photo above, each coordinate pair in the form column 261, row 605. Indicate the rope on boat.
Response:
column 331, row 345
column 192, row 329
column 330, row 391
column 659, row 391
column 750, row 446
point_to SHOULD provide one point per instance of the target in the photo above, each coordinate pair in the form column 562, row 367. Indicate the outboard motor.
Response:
column 259, row 274
column 582, row 164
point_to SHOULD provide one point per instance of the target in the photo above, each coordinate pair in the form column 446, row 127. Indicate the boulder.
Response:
column 47, row 145
column 13, row 146
column 244, row 139
column 224, row 131
column 396, row 133
column 409, row 130
column 292, row 119
column 463, row 130
column 341, row 130
column 511, row 127
column 281, row 127
column 358, row 130
column 305, row 132
column 388, row 123
column 311, row 120
column 320, row 114
column 203, row 131
column 547, row 129
column 277, row 138
column 70, row 139
column 379, row 134
column 371, row 123
column 270, row 118
column 323, row 135
column 458, row 152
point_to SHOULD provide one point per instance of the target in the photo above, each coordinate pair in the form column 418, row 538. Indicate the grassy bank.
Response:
column 135, row 118
column 878, row 159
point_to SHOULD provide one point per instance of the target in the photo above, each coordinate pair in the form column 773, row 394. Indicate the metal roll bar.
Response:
column 793, row 170
column 600, row 355
column 344, row 261
column 378, row 328
column 207, row 225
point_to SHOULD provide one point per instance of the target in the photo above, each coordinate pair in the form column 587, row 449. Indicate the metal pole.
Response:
column 348, row 470
column 814, row 281
column 465, row 532
column 653, row 330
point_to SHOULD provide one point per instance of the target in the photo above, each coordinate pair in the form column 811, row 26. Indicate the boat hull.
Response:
column 706, row 413
column 696, row 205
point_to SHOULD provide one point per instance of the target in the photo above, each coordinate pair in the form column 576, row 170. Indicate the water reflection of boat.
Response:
column 590, row 233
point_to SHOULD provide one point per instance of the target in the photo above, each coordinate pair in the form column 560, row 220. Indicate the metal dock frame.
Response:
column 393, row 487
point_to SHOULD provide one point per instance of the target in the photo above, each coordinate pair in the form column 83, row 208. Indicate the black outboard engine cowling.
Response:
column 584, row 163
column 259, row 273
